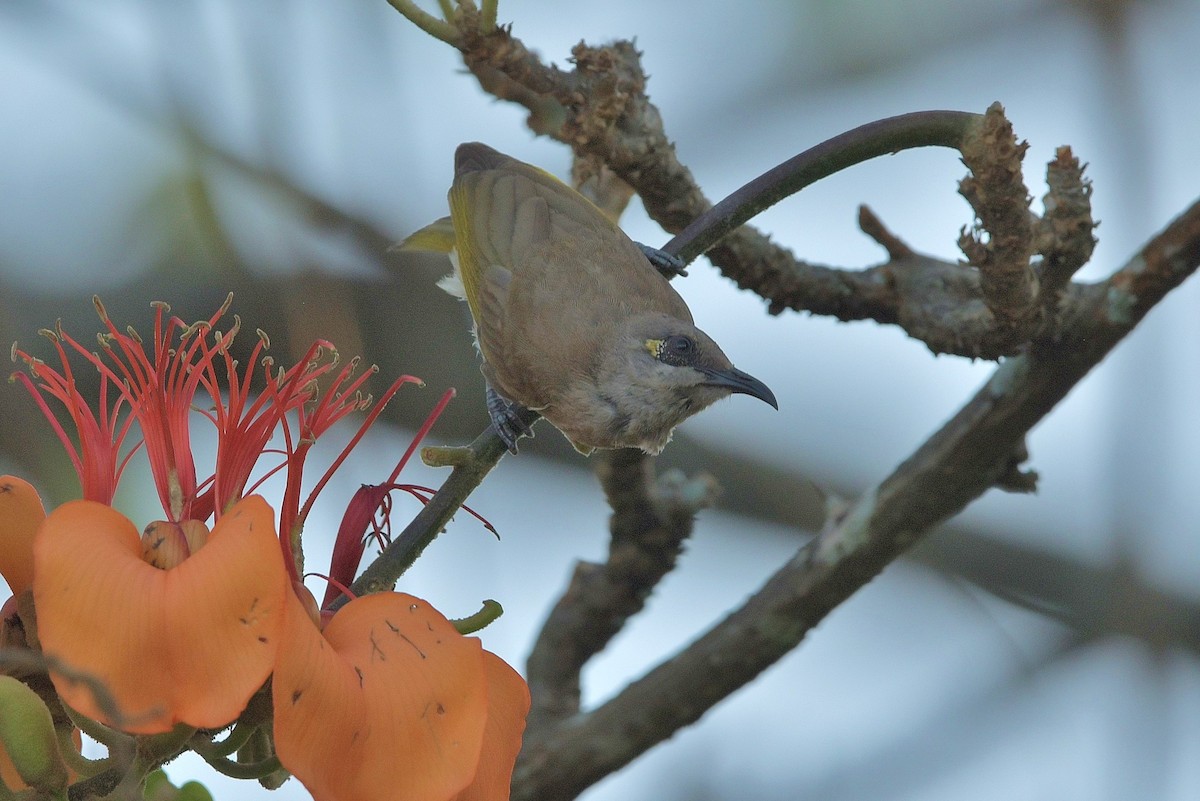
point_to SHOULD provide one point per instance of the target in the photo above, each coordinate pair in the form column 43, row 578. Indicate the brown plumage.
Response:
column 571, row 318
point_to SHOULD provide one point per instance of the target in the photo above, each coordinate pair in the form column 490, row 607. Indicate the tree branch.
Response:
column 879, row 138
column 650, row 521
column 956, row 465
column 602, row 111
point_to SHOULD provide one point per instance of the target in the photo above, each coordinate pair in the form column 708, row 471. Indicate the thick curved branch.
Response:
column 879, row 138
column 956, row 465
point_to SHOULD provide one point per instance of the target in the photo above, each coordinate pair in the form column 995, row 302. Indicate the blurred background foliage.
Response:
column 1036, row 647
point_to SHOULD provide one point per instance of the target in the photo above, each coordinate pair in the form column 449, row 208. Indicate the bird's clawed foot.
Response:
column 507, row 419
column 668, row 264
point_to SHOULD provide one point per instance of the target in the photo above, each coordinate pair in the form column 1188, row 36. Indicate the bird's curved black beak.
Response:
column 736, row 381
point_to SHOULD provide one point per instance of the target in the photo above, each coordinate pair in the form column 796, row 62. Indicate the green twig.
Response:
column 207, row 747
column 244, row 770
column 76, row 761
column 879, row 138
column 438, row 29
column 106, row 736
column 491, row 611
column 487, row 16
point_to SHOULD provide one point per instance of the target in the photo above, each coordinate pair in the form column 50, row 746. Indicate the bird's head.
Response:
column 664, row 370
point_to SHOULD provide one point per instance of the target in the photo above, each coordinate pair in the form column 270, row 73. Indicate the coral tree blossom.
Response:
column 184, row 622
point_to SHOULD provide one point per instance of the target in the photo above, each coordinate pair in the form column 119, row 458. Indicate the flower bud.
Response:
column 27, row 735
column 166, row 544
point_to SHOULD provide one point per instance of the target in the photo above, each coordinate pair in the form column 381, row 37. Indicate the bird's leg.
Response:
column 507, row 419
column 668, row 264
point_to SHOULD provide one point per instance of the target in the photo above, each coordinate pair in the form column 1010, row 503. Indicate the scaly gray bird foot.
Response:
column 668, row 264
column 507, row 419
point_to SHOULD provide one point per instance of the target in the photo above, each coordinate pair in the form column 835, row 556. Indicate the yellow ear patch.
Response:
column 655, row 346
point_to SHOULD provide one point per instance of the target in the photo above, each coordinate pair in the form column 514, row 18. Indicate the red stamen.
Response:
column 360, row 512
column 335, row 585
column 372, row 416
column 422, row 432
column 350, row 543
column 97, row 459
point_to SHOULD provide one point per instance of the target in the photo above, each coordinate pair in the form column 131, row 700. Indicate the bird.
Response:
column 572, row 318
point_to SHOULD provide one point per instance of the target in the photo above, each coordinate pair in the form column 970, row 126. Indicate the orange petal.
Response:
column 189, row 645
column 508, row 704
column 21, row 513
column 389, row 702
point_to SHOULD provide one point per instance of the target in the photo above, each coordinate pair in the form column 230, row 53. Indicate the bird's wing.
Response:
column 492, row 311
column 486, row 218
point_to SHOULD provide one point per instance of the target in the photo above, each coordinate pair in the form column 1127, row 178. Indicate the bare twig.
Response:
column 651, row 519
column 1097, row 601
column 956, row 465
column 870, row 224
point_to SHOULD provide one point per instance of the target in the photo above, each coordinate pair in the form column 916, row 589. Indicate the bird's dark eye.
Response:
column 678, row 349
column 679, row 344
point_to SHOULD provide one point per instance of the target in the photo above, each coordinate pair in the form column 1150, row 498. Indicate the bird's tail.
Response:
column 437, row 237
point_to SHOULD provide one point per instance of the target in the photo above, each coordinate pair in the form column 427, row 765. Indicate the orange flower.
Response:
column 508, row 704
column 390, row 701
column 190, row 644
column 181, row 625
column 21, row 513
